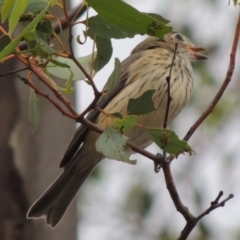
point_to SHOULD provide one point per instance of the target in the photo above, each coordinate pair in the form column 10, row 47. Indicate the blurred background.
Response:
column 121, row 201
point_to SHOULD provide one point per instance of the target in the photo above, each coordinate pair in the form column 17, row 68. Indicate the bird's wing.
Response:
column 81, row 132
column 137, row 52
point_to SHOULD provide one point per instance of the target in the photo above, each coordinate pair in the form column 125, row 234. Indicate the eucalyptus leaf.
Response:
column 125, row 16
column 125, row 124
column 10, row 48
column 17, row 10
column 141, row 105
column 169, row 142
column 33, row 110
column 114, row 77
column 107, row 29
column 113, row 145
column 66, row 68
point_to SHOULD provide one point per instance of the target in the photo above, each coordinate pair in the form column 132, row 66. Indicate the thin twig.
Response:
column 70, row 36
column 161, row 158
column 192, row 222
column 135, row 148
column 215, row 204
column 74, row 13
column 14, row 71
column 174, row 193
column 45, row 79
column 223, row 87
column 37, row 91
column 168, row 79
column 221, row 90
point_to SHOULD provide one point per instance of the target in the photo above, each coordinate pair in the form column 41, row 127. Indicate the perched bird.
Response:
column 146, row 68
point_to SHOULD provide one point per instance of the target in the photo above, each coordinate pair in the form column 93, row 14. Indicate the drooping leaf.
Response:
column 104, row 52
column 124, row 15
column 169, row 142
column 64, row 67
column 14, row 43
column 7, row 5
column 114, row 77
column 18, row 9
column 124, row 124
column 141, row 105
column 33, row 110
column 34, row 6
column 44, row 29
column 113, row 145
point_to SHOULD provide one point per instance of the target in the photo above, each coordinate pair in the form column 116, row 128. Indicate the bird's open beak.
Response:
column 197, row 52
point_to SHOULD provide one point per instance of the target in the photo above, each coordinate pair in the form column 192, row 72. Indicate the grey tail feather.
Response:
column 57, row 198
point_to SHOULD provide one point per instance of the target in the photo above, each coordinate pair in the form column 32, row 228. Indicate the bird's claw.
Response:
column 160, row 158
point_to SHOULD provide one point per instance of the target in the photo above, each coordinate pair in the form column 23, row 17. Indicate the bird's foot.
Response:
column 160, row 159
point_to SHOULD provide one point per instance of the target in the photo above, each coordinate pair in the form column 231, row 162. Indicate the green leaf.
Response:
column 124, row 15
column 68, row 86
column 44, row 29
column 107, row 29
column 64, row 67
column 117, row 115
column 33, row 110
column 114, row 77
column 43, row 49
column 113, row 145
column 158, row 17
column 124, row 124
column 10, row 48
column 142, row 105
column 7, row 5
column 34, row 6
column 4, row 41
column 169, row 142
column 104, row 53
column 17, row 11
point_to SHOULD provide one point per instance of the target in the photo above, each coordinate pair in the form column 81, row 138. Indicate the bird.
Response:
column 146, row 68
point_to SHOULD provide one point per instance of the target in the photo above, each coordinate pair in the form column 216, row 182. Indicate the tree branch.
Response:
column 72, row 14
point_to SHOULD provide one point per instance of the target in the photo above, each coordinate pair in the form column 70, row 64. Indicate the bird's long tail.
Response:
column 55, row 201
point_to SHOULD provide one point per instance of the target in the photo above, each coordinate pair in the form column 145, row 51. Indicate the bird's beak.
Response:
column 197, row 52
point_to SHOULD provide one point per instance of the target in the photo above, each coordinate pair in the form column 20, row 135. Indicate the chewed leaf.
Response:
column 169, row 142
column 142, row 105
column 113, row 145
column 123, row 125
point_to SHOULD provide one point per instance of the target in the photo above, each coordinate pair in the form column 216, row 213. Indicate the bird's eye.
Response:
column 179, row 37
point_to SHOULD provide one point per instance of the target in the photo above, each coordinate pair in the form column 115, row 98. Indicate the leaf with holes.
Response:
column 169, row 142
column 113, row 145
column 125, row 124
